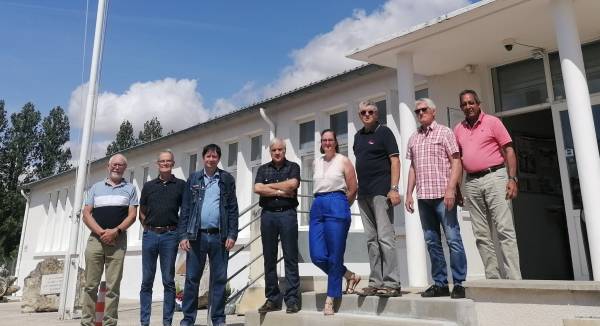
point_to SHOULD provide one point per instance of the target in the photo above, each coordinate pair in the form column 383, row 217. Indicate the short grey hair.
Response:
column 276, row 140
column 366, row 104
column 121, row 156
column 426, row 100
column 166, row 151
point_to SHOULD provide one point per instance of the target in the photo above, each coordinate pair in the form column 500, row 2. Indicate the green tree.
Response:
column 152, row 130
column 53, row 156
column 123, row 140
column 19, row 142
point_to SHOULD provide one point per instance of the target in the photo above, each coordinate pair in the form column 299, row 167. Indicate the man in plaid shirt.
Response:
column 436, row 170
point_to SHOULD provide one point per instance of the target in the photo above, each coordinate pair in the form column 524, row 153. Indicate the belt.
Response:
column 481, row 173
column 210, row 230
column 278, row 209
column 160, row 229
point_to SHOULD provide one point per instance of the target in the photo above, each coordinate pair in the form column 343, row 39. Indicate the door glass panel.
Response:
column 570, row 153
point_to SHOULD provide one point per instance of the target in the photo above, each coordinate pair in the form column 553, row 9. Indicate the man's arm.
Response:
column 410, row 187
column 455, row 176
column 233, row 216
column 510, row 159
column 110, row 235
column 90, row 222
column 143, row 215
column 393, row 195
column 351, row 183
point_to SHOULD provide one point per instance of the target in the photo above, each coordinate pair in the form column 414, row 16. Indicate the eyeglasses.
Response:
column 118, row 165
column 367, row 112
column 327, row 140
column 422, row 110
column 463, row 104
column 164, row 162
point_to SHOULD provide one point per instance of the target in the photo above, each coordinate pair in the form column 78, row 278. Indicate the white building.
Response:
column 464, row 49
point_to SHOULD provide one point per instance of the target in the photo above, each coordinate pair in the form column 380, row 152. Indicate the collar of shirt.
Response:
column 424, row 129
column 120, row 184
column 364, row 130
column 285, row 163
column 478, row 122
column 215, row 176
column 159, row 180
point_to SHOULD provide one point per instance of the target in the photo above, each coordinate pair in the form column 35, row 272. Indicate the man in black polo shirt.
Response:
column 378, row 172
column 159, row 214
column 277, row 183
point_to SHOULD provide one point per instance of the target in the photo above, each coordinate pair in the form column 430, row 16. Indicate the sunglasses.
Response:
column 367, row 112
column 418, row 111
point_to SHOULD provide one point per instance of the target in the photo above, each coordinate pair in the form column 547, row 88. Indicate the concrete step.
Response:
column 313, row 318
column 582, row 322
column 410, row 305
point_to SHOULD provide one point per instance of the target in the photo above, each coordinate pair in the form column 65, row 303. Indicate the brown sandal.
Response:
column 328, row 308
column 351, row 283
column 387, row 292
column 368, row 291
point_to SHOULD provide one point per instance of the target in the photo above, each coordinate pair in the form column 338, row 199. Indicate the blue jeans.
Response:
column 329, row 224
column 206, row 245
column 163, row 245
column 433, row 213
column 284, row 225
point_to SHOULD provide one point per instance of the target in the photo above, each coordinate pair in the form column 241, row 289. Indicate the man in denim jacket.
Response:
column 208, row 226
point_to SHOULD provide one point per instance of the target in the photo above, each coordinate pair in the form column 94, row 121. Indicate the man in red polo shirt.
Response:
column 489, row 159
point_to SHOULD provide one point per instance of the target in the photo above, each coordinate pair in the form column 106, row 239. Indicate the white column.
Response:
column 582, row 121
column 415, row 242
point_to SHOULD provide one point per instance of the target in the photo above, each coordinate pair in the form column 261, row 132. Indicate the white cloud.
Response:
column 176, row 103
column 325, row 55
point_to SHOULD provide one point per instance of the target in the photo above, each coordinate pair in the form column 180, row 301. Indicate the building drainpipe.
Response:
column 23, row 228
column 268, row 120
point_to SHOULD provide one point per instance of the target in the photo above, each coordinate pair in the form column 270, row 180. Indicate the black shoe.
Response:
column 458, row 292
column 269, row 306
column 292, row 309
column 436, row 291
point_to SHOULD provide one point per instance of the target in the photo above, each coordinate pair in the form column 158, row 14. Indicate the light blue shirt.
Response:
column 210, row 206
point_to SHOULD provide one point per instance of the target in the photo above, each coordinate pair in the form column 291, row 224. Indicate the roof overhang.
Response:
column 473, row 35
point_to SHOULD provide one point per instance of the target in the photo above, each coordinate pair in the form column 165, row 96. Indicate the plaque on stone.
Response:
column 51, row 284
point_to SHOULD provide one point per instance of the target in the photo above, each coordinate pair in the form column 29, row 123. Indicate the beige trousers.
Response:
column 98, row 256
column 485, row 199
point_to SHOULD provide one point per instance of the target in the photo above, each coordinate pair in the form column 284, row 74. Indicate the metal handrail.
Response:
column 244, row 246
column 240, row 291
column 247, row 209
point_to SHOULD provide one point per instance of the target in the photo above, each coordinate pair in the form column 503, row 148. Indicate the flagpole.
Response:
column 71, row 265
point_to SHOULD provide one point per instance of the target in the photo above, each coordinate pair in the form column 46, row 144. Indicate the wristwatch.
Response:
column 394, row 188
column 119, row 231
column 514, row 178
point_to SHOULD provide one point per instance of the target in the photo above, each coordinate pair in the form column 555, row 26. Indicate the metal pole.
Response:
column 68, row 291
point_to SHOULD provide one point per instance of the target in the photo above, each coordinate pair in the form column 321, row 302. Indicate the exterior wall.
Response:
column 46, row 232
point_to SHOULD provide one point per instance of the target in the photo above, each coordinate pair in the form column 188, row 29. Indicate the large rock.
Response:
column 33, row 300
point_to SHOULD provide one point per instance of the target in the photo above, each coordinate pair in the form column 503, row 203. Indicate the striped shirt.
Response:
column 110, row 204
column 429, row 148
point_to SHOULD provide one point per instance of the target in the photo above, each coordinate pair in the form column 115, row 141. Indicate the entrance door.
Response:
column 539, row 209
column 572, row 191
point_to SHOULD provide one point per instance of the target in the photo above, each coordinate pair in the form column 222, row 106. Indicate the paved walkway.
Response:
column 129, row 315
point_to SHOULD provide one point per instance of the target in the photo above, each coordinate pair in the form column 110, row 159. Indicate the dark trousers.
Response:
column 206, row 245
column 284, row 225
column 329, row 223
column 155, row 245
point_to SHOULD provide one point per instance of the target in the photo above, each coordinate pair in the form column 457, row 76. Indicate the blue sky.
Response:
column 191, row 58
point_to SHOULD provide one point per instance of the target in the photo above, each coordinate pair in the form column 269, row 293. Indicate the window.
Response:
column 519, row 84
column 306, row 188
column 256, row 148
column 146, row 172
column 591, row 61
column 422, row 93
column 339, row 123
column 307, row 136
column 382, row 111
column 192, row 164
column 131, row 175
column 232, row 154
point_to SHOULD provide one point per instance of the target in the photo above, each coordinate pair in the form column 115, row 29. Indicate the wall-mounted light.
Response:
column 469, row 68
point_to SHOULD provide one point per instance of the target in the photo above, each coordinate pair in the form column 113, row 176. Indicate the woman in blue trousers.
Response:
column 335, row 190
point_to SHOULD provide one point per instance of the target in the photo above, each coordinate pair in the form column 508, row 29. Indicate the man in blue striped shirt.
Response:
column 110, row 208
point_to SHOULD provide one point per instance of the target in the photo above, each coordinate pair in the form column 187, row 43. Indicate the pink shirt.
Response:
column 481, row 146
column 429, row 149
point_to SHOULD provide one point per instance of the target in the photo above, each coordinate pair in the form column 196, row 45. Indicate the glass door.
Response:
column 570, row 185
